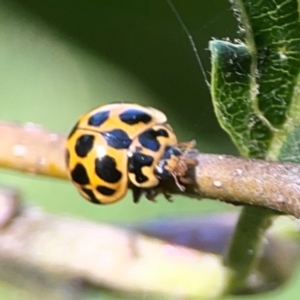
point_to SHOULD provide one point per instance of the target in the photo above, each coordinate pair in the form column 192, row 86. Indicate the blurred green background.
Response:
column 59, row 59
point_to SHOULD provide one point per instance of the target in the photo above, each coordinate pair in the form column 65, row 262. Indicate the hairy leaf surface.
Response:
column 255, row 85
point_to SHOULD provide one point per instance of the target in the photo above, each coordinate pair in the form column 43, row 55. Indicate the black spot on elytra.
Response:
column 134, row 116
column 84, row 145
column 73, row 130
column 105, row 190
column 136, row 162
column 148, row 139
column 117, row 139
column 79, row 175
column 98, row 118
column 91, row 196
column 105, row 168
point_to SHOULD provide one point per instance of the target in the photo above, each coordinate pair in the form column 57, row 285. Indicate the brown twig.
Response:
column 55, row 257
column 275, row 185
column 56, row 251
column 29, row 148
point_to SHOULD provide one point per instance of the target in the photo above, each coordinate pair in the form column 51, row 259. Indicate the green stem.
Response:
column 246, row 243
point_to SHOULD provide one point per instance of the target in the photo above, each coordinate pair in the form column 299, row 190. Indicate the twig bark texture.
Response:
column 241, row 181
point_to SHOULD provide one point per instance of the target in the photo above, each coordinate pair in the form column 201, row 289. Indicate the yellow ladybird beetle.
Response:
column 120, row 145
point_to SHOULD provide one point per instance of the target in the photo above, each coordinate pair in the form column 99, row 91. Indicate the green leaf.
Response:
column 255, row 86
column 255, row 91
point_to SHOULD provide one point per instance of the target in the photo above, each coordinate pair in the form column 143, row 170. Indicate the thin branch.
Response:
column 52, row 255
column 273, row 185
column 29, row 148
column 56, row 251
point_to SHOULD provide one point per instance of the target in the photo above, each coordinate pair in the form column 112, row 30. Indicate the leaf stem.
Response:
column 246, row 244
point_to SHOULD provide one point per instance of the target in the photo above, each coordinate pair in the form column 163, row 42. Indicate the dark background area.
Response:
column 62, row 58
column 145, row 39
